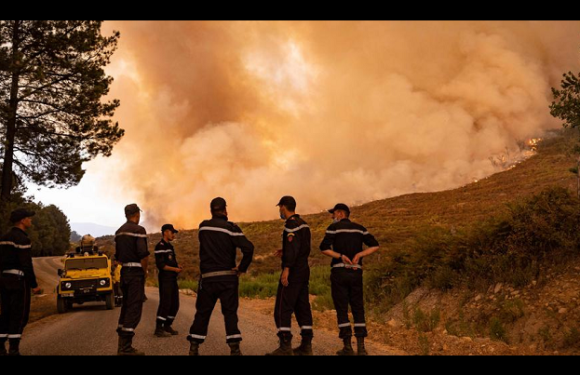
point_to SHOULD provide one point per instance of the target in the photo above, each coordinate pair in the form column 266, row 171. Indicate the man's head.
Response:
column 22, row 218
column 287, row 205
column 87, row 242
column 168, row 232
column 218, row 206
column 340, row 211
column 133, row 213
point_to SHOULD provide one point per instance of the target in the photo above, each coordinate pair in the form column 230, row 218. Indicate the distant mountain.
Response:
column 94, row 230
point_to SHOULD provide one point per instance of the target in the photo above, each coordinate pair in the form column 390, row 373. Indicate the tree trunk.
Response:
column 11, row 123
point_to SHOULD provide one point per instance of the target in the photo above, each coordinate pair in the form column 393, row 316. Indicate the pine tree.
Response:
column 566, row 107
column 52, row 115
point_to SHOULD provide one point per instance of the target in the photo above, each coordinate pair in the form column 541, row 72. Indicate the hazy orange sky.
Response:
column 324, row 111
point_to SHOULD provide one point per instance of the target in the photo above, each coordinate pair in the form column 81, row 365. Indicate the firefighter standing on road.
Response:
column 169, row 269
column 292, row 295
column 16, row 279
column 132, row 253
column 219, row 239
column 343, row 242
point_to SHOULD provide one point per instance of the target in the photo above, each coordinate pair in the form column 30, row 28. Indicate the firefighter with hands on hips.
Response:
column 169, row 269
column 218, row 240
column 132, row 253
column 343, row 242
column 292, row 296
column 16, row 280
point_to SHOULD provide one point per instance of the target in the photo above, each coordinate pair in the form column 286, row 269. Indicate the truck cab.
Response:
column 86, row 277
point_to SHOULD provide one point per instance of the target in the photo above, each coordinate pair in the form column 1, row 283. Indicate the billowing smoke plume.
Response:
column 325, row 111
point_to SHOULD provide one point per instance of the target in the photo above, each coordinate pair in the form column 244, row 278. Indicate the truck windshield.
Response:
column 85, row 264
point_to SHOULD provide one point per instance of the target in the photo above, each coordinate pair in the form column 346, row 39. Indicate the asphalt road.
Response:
column 90, row 329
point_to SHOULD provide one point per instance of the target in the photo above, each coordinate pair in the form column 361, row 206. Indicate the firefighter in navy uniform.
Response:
column 343, row 242
column 16, row 279
column 132, row 253
column 169, row 269
column 292, row 295
column 219, row 240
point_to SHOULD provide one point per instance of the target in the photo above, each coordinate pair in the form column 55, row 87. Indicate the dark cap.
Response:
column 19, row 214
column 287, row 201
column 132, row 209
column 340, row 206
column 218, row 204
column 168, row 227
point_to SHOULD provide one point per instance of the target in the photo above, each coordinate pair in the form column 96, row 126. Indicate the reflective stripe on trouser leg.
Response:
column 174, row 304
column 357, row 306
column 204, row 306
column 227, row 292
column 133, row 285
column 15, row 304
column 340, row 289
column 303, row 311
column 360, row 330
column 229, row 301
column 168, row 299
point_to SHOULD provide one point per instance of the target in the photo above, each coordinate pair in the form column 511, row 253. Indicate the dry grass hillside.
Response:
column 455, row 274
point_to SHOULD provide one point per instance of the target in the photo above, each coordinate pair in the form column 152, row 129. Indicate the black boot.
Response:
column 360, row 343
column 347, row 350
column 305, row 348
column 126, row 347
column 170, row 330
column 235, row 348
column 14, row 347
column 3, row 351
column 285, row 347
column 160, row 330
column 194, row 348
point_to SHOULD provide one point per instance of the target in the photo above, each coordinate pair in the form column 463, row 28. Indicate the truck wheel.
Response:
column 60, row 305
column 110, row 300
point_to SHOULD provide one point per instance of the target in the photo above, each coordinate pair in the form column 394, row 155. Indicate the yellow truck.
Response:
column 85, row 278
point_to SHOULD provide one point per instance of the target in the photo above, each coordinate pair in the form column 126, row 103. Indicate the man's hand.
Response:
column 356, row 258
column 238, row 273
column 278, row 253
column 37, row 290
column 284, row 277
column 345, row 259
column 178, row 270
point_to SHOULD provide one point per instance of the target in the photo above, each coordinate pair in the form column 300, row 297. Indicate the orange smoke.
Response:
column 324, row 111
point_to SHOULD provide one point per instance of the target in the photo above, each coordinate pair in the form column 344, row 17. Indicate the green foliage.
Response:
column 265, row 285
column 566, row 104
column 188, row 284
column 50, row 232
column 572, row 338
column 424, row 345
column 511, row 311
column 426, row 322
column 509, row 248
column 497, row 330
column 52, row 116
column 566, row 107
